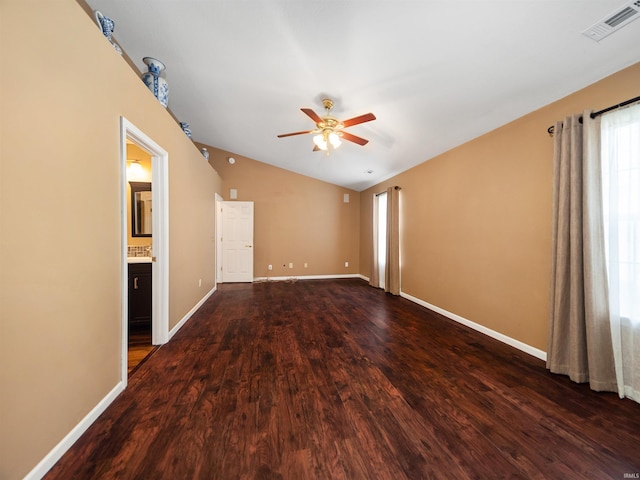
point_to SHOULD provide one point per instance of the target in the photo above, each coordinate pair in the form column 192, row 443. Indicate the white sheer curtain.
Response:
column 621, row 198
column 385, row 251
column 374, row 278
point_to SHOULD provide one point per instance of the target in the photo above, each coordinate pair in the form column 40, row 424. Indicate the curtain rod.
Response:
column 395, row 188
column 600, row 112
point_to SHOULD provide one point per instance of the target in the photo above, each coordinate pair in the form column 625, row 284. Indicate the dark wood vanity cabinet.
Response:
column 139, row 296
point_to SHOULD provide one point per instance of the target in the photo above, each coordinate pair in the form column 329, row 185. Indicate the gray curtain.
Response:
column 392, row 273
column 579, row 341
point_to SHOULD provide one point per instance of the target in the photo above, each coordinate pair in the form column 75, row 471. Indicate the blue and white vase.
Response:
column 185, row 128
column 154, row 81
column 107, row 25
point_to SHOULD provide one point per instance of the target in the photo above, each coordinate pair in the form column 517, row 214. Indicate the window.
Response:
column 382, row 238
column 620, row 150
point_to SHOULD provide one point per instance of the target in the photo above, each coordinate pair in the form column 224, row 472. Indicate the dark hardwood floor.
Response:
column 140, row 348
column 332, row 379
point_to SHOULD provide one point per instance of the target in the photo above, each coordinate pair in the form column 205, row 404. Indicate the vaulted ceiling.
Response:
column 435, row 73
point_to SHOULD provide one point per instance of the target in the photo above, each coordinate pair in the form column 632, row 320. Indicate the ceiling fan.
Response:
column 329, row 130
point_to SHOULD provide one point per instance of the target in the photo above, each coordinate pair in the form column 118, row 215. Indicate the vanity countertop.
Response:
column 138, row 259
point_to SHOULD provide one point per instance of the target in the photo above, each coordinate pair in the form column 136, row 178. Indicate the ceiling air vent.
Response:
column 614, row 21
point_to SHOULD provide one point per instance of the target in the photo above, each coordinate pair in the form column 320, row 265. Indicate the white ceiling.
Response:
column 435, row 73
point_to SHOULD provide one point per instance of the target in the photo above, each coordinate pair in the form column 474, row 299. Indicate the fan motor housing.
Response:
column 330, row 122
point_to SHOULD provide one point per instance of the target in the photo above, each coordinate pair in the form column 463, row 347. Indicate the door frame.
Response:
column 160, row 236
column 218, row 219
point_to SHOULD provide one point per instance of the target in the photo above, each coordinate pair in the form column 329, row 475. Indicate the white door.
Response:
column 218, row 219
column 237, row 241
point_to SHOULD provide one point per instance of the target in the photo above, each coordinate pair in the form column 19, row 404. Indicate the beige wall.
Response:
column 476, row 220
column 63, row 90
column 297, row 219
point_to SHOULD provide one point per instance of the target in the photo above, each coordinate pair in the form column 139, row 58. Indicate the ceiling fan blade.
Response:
column 354, row 138
column 312, row 115
column 367, row 117
column 294, row 133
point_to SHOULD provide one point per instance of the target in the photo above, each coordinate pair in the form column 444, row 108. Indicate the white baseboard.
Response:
column 480, row 328
column 65, row 444
column 184, row 319
column 59, row 450
column 293, row 278
column 56, row 453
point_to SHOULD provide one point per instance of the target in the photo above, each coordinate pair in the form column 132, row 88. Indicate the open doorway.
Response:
column 150, row 246
column 139, row 255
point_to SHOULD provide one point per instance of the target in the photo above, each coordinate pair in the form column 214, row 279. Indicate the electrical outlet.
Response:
column 200, row 282
column 346, row 264
column 270, row 267
column 291, row 265
column 306, row 264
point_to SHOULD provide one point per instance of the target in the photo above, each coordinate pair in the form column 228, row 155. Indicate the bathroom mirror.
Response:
column 140, row 209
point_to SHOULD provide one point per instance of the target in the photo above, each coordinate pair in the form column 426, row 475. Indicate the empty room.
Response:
column 319, row 240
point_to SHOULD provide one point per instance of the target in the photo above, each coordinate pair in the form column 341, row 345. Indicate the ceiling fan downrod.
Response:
column 328, row 104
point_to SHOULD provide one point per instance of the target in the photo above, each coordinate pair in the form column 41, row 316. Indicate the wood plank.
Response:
column 332, row 379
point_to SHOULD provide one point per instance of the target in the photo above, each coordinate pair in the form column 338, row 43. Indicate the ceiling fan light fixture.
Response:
column 320, row 141
column 327, row 138
column 334, row 140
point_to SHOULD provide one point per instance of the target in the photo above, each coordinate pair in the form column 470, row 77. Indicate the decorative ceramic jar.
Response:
column 154, row 81
column 185, row 128
column 205, row 153
column 107, row 25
